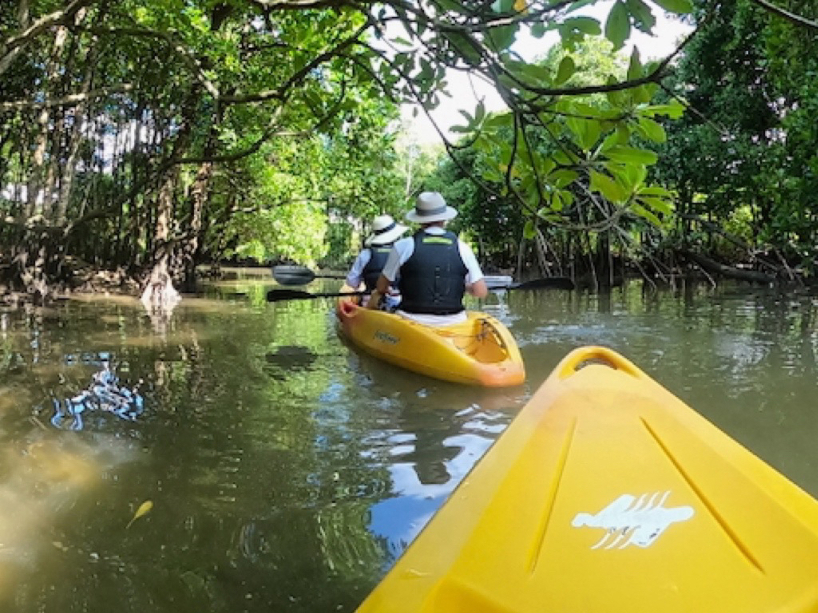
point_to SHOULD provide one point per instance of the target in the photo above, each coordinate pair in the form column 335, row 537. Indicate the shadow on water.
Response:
column 288, row 470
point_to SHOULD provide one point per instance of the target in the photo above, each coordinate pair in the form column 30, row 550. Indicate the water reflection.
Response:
column 429, row 457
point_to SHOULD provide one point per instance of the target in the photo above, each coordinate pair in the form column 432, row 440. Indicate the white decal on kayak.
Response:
column 385, row 337
column 639, row 522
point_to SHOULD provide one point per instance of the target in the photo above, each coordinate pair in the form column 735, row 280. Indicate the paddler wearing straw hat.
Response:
column 370, row 261
column 433, row 268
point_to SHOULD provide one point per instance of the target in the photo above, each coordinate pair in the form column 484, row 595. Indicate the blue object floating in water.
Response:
column 104, row 394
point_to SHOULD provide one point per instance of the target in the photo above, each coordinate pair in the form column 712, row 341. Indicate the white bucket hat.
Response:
column 385, row 231
column 429, row 207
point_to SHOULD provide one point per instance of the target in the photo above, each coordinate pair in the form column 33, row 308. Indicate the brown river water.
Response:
column 284, row 470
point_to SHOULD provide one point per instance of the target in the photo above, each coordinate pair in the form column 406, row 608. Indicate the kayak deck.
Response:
column 607, row 493
column 479, row 351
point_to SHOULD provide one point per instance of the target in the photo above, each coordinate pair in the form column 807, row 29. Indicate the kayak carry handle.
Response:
column 592, row 354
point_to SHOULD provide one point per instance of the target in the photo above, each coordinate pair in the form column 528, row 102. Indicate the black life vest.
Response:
column 374, row 266
column 433, row 279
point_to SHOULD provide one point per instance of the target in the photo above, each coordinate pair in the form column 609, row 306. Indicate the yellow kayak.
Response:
column 479, row 351
column 608, row 494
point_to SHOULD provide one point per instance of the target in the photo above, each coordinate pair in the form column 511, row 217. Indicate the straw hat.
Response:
column 430, row 207
column 385, row 231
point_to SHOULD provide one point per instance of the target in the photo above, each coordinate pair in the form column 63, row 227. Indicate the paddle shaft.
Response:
column 277, row 295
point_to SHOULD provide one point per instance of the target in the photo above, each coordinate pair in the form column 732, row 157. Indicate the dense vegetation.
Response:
column 734, row 181
column 148, row 136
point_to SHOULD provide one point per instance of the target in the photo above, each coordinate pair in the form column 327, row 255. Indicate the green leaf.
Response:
column 565, row 158
column 561, row 199
column 503, row 36
column 641, row 94
column 652, row 130
column 547, row 166
column 536, row 73
column 450, row 5
column 658, row 204
column 502, row 6
column 676, row 6
column 635, row 65
column 586, row 25
column 530, row 229
column 498, row 122
column 562, row 178
column 646, row 214
column 491, row 175
column 480, row 112
column 618, row 25
column 464, row 47
column 548, row 215
column 606, row 186
column 655, row 190
column 643, row 17
column 630, row 176
column 566, row 70
column 538, row 30
column 616, row 98
column 567, row 198
column 674, row 109
column 611, row 140
column 586, row 131
column 631, row 155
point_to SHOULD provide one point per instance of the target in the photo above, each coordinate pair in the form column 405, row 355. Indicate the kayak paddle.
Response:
column 298, row 275
column 277, row 295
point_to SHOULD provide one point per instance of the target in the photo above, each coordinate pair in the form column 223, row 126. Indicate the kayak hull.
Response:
column 480, row 351
column 607, row 493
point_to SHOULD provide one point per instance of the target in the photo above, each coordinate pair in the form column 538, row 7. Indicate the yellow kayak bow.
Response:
column 607, row 494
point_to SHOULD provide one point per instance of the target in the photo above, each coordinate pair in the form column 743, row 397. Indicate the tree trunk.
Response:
column 159, row 295
column 35, row 261
column 190, row 248
column 40, row 193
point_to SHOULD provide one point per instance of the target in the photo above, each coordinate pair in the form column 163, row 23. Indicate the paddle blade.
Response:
column 293, row 275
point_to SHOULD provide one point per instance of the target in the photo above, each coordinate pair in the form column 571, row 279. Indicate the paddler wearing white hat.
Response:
column 433, row 269
column 370, row 261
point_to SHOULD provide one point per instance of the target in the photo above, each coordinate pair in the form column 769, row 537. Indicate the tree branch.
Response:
column 796, row 19
column 12, row 47
column 176, row 46
column 65, row 101
column 282, row 92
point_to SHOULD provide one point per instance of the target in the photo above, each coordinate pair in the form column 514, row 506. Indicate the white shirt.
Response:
column 356, row 277
column 356, row 274
column 403, row 249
